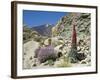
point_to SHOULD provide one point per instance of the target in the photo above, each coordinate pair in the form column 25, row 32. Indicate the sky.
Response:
column 36, row 18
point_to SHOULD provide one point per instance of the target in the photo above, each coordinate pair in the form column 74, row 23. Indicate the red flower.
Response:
column 74, row 37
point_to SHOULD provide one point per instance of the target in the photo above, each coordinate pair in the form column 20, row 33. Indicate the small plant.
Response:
column 50, row 62
column 63, row 62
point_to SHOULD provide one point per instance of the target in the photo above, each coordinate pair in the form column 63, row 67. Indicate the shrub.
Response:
column 46, row 53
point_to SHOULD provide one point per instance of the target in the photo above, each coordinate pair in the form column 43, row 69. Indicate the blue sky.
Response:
column 35, row 18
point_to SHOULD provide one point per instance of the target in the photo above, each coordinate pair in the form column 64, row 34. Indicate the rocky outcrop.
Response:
column 64, row 28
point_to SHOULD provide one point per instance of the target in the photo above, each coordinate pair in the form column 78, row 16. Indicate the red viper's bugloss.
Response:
column 73, row 52
column 74, row 56
column 74, row 37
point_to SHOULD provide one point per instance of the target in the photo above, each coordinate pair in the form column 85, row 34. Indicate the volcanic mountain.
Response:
column 43, row 30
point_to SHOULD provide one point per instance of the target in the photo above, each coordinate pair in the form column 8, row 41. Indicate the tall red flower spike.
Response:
column 73, row 52
column 74, row 38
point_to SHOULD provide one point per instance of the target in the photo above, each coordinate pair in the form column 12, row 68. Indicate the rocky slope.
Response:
column 82, row 21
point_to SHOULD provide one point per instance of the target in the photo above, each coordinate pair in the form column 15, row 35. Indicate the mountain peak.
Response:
column 44, row 30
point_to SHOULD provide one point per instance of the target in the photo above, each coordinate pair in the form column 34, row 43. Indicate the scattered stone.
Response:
column 83, row 62
column 31, row 58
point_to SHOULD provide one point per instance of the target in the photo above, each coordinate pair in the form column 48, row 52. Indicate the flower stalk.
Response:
column 73, row 53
